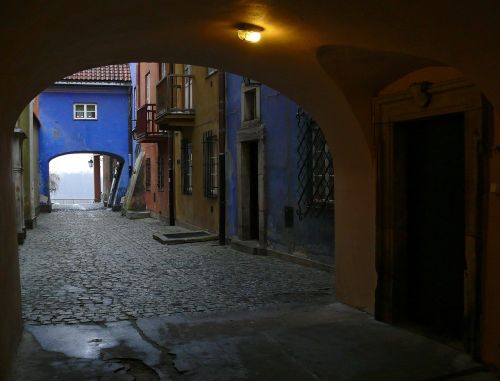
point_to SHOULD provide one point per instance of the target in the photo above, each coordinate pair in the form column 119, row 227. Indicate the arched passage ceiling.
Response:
column 304, row 46
column 362, row 73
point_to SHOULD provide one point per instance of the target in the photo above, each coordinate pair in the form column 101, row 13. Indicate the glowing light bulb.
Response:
column 249, row 33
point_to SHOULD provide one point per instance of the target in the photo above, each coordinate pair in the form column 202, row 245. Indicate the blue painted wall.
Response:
column 61, row 134
column 313, row 236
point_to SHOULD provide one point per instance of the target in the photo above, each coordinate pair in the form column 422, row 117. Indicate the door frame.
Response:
column 253, row 132
column 423, row 100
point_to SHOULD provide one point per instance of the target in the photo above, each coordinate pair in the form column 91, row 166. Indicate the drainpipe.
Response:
column 171, row 179
column 130, row 114
column 222, row 158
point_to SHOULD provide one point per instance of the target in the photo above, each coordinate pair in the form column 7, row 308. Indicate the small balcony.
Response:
column 146, row 130
column 174, row 96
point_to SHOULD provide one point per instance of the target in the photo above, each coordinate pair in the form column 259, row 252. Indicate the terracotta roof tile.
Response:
column 111, row 73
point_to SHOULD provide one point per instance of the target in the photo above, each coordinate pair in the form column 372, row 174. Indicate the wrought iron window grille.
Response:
column 315, row 169
column 210, row 164
column 187, row 166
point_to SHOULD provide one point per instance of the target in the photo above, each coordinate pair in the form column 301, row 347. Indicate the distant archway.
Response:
column 119, row 180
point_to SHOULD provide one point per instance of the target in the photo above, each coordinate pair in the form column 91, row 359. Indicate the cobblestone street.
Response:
column 97, row 266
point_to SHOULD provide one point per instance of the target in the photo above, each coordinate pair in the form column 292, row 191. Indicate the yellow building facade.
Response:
column 196, row 147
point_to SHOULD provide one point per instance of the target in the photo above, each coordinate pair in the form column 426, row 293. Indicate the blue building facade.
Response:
column 100, row 126
column 265, row 143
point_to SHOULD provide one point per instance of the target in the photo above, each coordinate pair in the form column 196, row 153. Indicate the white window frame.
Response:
column 147, row 80
column 85, row 111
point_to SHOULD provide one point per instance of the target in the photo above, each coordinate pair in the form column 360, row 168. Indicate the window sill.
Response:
column 251, row 123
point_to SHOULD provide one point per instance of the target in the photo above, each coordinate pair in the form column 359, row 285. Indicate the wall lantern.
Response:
column 91, row 163
column 249, row 32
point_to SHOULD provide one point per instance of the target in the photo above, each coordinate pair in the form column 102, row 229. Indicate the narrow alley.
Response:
column 102, row 301
column 95, row 266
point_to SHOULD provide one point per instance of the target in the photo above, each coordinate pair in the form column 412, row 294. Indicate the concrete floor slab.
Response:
column 90, row 341
column 331, row 342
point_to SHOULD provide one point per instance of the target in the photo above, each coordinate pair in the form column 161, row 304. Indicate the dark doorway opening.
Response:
column 253, row 172
column 430, row 190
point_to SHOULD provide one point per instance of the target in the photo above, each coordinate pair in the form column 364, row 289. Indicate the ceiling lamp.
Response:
column 248, row 32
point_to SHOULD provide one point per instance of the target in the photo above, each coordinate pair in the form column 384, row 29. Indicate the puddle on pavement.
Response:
column 90, row 341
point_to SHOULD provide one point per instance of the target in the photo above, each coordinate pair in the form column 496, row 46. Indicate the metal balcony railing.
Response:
column 146, row 129
column 174, row 95
column 146, row 119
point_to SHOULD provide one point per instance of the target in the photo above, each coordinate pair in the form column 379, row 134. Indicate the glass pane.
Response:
column 90, row 107
column 79, row 107
column 148, row 88
column 91, row 115
column 79, row 115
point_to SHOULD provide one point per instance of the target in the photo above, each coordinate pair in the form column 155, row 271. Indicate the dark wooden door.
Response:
column 434, row 204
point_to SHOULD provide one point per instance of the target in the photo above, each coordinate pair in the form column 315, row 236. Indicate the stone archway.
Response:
column 121, row 181
column 291, row 58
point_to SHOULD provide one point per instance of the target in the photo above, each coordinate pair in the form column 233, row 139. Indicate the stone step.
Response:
column 185, row 237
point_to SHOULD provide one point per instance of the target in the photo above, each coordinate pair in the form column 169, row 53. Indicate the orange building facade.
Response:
column 153, row 143
column 177, row 120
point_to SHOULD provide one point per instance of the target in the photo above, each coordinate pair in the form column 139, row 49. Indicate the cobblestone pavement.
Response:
column 97, row 266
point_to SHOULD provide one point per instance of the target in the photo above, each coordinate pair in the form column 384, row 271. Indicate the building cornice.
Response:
column 95, row 83
column 77, row 88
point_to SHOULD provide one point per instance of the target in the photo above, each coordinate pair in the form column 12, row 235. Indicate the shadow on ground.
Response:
column 331, row 342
